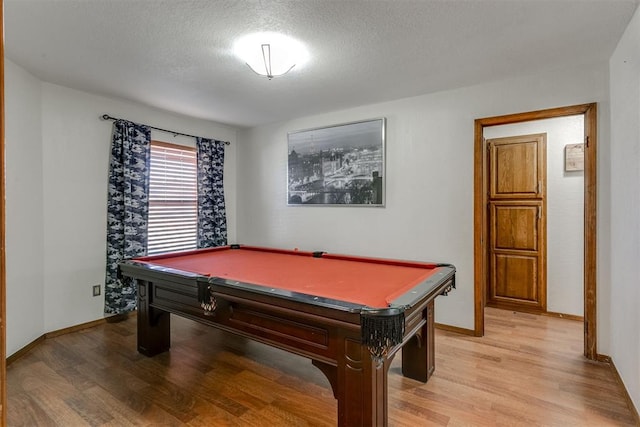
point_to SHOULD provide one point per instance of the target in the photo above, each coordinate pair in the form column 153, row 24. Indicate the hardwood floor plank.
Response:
column 527, row 370
column 54, row 405
column 320, row 392
column 307, row 410
column 409, row 405
column 95, row 415
column 276, row 416
column 24, row 411
column 134, row 411
column 37, row 375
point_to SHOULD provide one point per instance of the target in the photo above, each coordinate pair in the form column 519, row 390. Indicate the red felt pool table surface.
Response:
column 367, row 281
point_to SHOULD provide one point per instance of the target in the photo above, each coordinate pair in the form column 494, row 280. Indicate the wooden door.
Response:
column 517, row 223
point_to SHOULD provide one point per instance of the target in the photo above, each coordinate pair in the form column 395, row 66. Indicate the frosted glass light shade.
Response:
column 271, row 54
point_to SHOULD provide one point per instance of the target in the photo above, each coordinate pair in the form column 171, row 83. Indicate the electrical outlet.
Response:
column 96, row 290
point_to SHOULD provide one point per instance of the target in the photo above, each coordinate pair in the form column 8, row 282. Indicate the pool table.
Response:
column 348, row 314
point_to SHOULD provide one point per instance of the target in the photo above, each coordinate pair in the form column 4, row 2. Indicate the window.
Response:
column 173, row 198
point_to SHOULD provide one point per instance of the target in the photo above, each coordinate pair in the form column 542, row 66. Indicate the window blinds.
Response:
column 173, row 202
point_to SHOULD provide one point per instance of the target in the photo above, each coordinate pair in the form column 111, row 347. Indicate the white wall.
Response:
column 625, row 208
column 56, row 198
column 429, row 167
column 24, row 207
column 565, row 210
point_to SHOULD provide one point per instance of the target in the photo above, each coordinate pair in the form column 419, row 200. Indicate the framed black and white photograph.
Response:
column 337, row 165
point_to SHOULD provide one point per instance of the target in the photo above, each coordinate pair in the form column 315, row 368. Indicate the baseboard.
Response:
column 608, row 360
column 27, row 348
column 74, row 328
column 455, row 329
column 24, row 350
column 563, row 316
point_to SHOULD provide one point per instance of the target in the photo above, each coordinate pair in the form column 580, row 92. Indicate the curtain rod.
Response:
column 108, row 117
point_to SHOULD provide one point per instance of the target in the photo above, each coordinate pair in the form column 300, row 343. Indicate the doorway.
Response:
column 481, row 213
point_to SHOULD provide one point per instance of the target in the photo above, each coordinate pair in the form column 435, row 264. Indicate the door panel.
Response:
column 516, row 226
column 517, row 223
column 515, row 278
column 517, row 165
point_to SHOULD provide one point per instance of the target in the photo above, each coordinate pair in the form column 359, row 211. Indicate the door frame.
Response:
column 3, row 303
column 480, row 246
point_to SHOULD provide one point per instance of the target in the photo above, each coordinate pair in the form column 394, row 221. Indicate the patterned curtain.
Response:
column 127, row 210
column 212, row 216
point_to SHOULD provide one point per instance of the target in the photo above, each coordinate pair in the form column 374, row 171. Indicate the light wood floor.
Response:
column 527, row 370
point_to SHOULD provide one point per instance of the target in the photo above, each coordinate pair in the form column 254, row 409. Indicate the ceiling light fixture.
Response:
column 266, row 56
column 271, row 54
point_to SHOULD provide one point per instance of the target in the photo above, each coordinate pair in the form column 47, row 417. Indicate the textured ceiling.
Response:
column 176, row 54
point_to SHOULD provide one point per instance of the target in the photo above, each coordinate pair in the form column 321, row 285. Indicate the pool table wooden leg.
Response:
column 362, row 387
column 153, row 325
column 418, row 355
column 358, row 384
